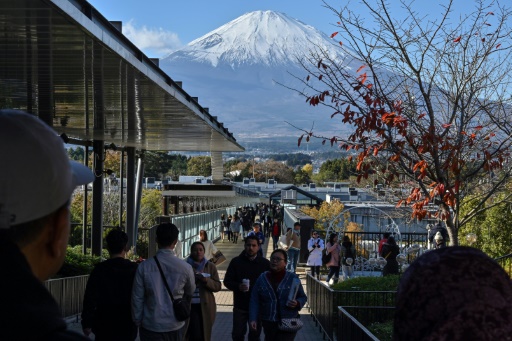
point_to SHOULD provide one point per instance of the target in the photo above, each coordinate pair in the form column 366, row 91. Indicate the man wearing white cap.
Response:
column 36, row 183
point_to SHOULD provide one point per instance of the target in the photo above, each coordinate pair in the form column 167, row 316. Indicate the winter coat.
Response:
column 208, row 304
column 315, row 253
column 389, row 252
column 239, row 268
column 106, row 306
column 235, row 226
column 264, row 299
column 345, row 247
column 294, row 238
column 335, row 251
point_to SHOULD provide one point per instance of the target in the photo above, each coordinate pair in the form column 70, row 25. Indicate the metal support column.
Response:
column 97, row 199
column 138, row 191
column 84, row 208
column 217, row 167
column 121, row 190
column 130, row 196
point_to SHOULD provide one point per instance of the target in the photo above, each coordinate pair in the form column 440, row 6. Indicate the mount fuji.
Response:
column 237, row 71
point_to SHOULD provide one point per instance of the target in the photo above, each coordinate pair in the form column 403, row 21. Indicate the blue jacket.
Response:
column 264, row 301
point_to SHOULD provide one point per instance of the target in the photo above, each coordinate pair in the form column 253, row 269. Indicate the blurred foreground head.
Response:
column 454, row 293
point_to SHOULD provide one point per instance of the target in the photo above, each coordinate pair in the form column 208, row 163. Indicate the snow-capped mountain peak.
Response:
column 261, row 37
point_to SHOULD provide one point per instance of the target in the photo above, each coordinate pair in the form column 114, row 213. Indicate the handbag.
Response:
column 290, row 324
column 180, row 306
column 218, row 258
column 326, row 257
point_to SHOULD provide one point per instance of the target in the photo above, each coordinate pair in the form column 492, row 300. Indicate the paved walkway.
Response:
column 224, row 298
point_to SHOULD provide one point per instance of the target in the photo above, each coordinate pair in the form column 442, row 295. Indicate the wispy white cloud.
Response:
column 155, row 42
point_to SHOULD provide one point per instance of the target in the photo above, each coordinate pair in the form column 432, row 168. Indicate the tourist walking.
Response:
column 278, row 294
column 107, row 301
column 259, row 234
column 348, row 252
column 333, row 248
column 236, row 227
column 389, row 251
column 240, row 277
column 204, row 307
column 315, row 247
column 152, row 305
column 276, row 233
column 209, row 248
column 293, row 237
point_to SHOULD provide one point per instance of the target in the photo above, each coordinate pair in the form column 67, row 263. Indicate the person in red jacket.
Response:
column 276, row 232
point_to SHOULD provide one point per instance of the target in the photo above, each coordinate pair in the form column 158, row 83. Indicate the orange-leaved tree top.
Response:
column 424, row 103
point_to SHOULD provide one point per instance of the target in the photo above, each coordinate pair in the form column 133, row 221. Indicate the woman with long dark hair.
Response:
column 209, row 248
column 334, row 249
column 389, row 251
column 349, row 252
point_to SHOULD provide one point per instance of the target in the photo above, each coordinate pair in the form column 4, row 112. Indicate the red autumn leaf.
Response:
column 486, row 23
column 319, row 63
column 320, row 77
column 300, row 140
column 307, row 78
column 360, row 68
column 483, row 40
column 478, row 127
column 339, row 22
column 498, row 46
column 447, row 125
column 492, row 134
column 375, row 151
column 490, row 13
column 363, row 78
column 334, row 34
column 341, row 43
column 422, row 115
column 456, row 40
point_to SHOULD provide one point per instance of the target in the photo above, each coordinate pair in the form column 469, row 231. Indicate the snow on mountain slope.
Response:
column 235, row 71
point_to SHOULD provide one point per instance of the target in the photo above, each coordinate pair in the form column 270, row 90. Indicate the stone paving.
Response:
column 224, row 298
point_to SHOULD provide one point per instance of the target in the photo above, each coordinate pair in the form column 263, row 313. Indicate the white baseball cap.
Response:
column 36, row 175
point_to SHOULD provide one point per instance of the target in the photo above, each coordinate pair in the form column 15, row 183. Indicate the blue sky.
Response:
column 179, row 22
column 160, row 26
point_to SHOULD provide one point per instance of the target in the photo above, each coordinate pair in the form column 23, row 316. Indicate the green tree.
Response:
column 491, row 227
column 199, row 165
column 301, row 177
column 76, row 154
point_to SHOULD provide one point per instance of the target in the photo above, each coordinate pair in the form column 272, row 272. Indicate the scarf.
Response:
column 198, row 267
column 275, row 278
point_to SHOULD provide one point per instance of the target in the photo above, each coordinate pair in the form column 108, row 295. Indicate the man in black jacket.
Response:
column 107, row 300
column 36, row 183
column 246, row 266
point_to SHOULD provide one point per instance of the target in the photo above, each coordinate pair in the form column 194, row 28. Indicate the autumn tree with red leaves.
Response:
column 429, row 106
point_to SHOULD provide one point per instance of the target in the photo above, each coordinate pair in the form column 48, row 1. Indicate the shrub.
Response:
column 77, row 264
column 385, row 283
column 382, row 331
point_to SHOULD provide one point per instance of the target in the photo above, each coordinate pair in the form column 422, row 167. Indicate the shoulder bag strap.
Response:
column 163, row 277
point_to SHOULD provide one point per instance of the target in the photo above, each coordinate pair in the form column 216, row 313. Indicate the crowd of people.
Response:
column 451, row 293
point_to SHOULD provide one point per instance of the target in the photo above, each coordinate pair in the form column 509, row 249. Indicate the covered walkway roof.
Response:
column 64, row 62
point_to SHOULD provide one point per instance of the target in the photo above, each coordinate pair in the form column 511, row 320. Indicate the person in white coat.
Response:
column 315, row 247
